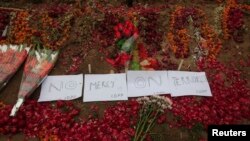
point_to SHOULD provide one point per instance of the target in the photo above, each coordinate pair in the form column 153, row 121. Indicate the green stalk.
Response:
column 145, row 126
column 150, row 126
column 142, row 119
column 138, row 123
column 144, row 123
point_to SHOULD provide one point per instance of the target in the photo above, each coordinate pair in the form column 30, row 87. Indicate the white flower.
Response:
column 164, row 107
column 154, row 101
column 3, row 48
column 14, row 47
column 167, row 100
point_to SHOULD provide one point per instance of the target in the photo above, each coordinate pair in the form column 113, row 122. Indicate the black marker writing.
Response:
column 141, row 82
column 178, row 81
column 101, row 84
column 69, row 85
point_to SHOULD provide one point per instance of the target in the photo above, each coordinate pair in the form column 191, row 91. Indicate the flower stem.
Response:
column 138, row 127
column 143, row 123
column 138, row 124
column 150, row 126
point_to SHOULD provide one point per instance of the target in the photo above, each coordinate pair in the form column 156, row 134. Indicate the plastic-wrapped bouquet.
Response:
column 125, row 33
column 39, row 63
column 11, row 58
column 48, row 39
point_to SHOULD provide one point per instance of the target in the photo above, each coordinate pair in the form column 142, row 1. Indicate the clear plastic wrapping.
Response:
column 11, row 58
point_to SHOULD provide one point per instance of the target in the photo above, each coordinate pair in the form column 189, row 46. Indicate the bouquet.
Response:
column 125, row 34
column 39, row 63
column 151, row 109
column 11, row 58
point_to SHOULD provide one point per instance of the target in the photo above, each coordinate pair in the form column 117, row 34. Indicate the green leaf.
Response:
column 135, row 66
column 120, row 43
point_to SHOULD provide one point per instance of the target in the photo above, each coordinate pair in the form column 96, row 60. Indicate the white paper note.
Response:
column 144, row 83
column 185, row 83
column 63, row 87
column 105, row 87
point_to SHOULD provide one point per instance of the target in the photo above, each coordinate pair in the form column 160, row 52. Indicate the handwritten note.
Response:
column 189, row 83
column 63, row 87
column 143, row 83
column 105, row 87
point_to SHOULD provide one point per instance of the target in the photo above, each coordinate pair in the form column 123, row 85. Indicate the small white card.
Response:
column 184, row 83
column 63, row 87
column 144, row 83
column 105, row 87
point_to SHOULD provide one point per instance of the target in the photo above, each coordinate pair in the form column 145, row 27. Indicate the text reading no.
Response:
column 69, row 85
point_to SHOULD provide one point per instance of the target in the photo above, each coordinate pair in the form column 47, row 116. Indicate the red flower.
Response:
column 120, row 60
column 116, row 28
column 126, row 30
column 143, row 53
column 150, row 63
column 118, row 35
column 120, row 26
column 126, row 33
column 161, row 119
